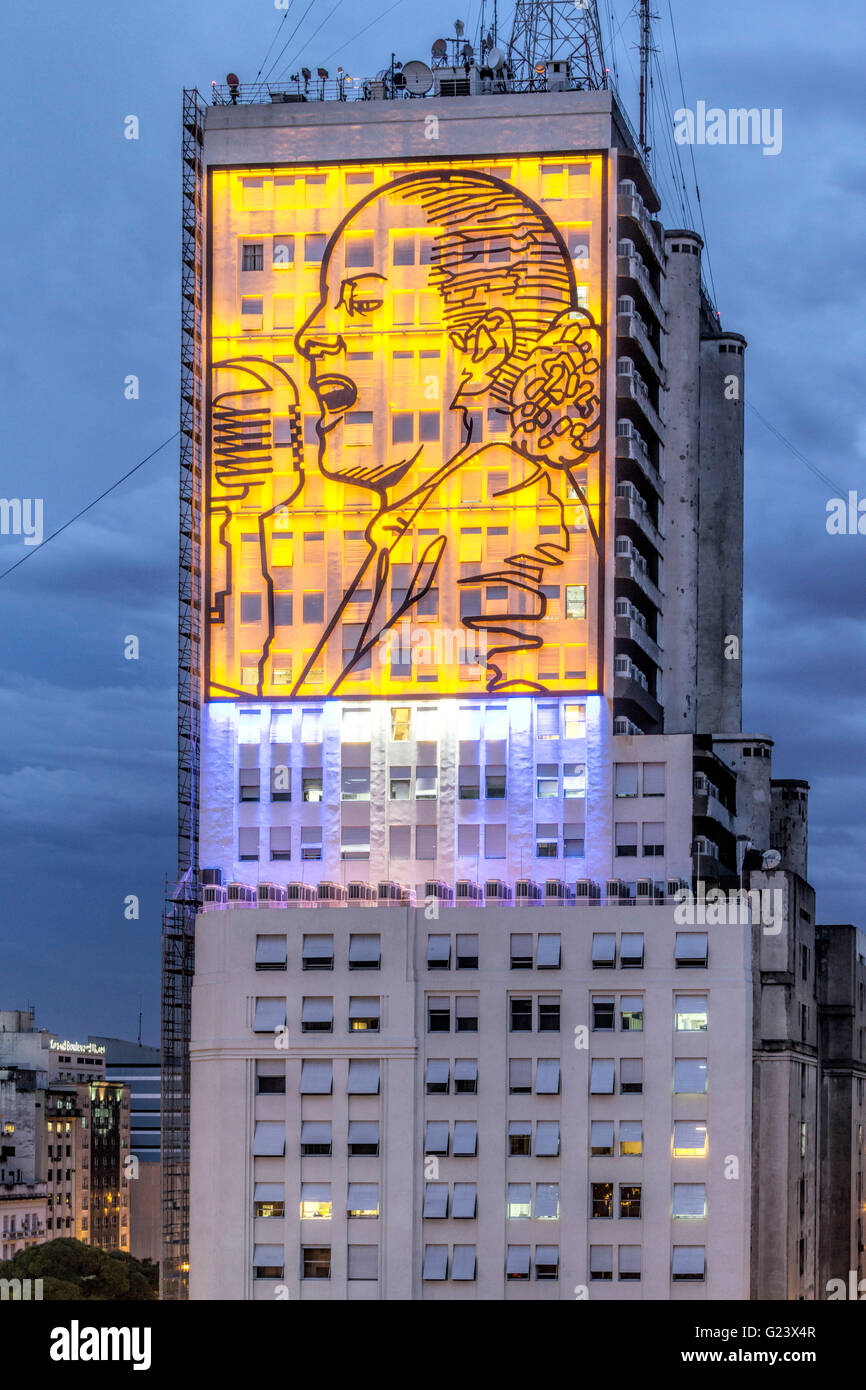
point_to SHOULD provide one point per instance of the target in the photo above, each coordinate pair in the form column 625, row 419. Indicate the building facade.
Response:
column 496, row 972
column 138, row 1066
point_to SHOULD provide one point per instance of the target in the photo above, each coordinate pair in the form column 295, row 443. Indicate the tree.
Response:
column 72, row 1270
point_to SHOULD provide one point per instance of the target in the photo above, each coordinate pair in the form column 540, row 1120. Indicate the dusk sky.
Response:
column 91, row 243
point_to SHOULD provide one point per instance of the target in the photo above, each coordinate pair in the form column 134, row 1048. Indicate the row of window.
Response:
column 471, row 723
column 420, row 783
column 551, row 840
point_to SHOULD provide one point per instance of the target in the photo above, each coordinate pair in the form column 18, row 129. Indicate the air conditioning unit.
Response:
column 390, row 894
column 526, row 892
column 300, row 895
column 625, row 247
column 622, row 608
column 623, row 546
column 213, row 897
column 625, row 304
column 616, row 891
column 587, row 893
column 644, row 891
column 557, row 892
column 496, row 891
column 437, row 888
column 628, row 187
column 704, row 846
column 331, row 894
column 624, row 366
column 674, row 886
column 468, row 893
column 240, row 895
column 362, row 894
column 407, row 897
column 625, row 429
column 270, row 895
column 210, row 876
column 623, row 666
column 702, row 783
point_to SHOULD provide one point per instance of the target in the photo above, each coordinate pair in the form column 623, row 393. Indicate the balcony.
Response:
column 637, row 704
column 632, row 268
column 629, row 205
column 628, row 569
column 629, row 389
column 632, row 326
column 627, row 509
column 634, row 449
column 708, row 808
column 630, row 631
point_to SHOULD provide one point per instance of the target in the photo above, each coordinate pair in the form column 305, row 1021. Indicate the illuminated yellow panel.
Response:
column 405, row 444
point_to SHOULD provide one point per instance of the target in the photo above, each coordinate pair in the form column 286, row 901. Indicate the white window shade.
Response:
column 436, row 1201
column 270, row 1014
column 363, row 1077
column 464, row 1200
column 517, row 1261
column 690, row 1199
column 435, row 1261
column 364, row 1132
column 547, row 1076
column 691, row 948
column 549, row 951
column 317, row 1011
column 269, row 1140
column 363, row 1196
column 547, row 1138
column 316, row 1132
column 603, row 948
column 436, row 1137
column 690, row 1139
column 271, row 950
column 601, row 1077
column 546, row 1201
column 625, row 779
column 463, row 1262
column 269, row 1192
column 437, row 1073
column 465, row 1069
column 631, row 948
column 629, row 1260
column 316, row 1078
column 690, row 1076
column 439, row 951
column 269, row 1257
column 494, row 842
column 365, row 950
column 520, row 1074
column 653, row 779
column 363, row 1262
column 547, row 721
column 465, row 1137
column 689, row 1261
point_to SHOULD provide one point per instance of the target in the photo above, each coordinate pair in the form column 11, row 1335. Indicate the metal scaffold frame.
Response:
column 182, row 897
column 546, row 31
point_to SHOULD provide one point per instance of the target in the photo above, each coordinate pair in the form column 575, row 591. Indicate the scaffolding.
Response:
column 182, row 897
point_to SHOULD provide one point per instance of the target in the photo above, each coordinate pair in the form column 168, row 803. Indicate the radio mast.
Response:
column 556, row 31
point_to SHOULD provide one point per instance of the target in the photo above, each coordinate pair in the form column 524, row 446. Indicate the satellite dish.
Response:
column 495, row 58
column 467, row 52
column 419, row 78
column 771, row 859
column 232, row 79
column 322, row 72
column 305, row 73
column 440, row 49
column 459, row 28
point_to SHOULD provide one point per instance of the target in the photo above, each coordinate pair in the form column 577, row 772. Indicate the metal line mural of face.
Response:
column 443, row 412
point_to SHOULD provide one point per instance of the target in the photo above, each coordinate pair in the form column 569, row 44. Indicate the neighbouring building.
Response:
column 138, row 1066
column 506, row 981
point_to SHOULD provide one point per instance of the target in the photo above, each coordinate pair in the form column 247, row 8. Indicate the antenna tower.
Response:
column 546, row 31
column 645, row 50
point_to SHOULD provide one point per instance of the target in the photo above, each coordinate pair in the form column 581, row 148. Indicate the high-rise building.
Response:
column 138, row 1066
column 499, row 903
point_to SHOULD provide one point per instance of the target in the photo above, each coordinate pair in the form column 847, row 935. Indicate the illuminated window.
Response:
column 690, row 1076
column 518, row 1202
column 470, row 544
column 690, row 1139
column 364, row 1015
column 253, row 256
column 631, row 1013
column 470, row 484
column 547, row 780
column 426, row 783
column 283, row 549
column 582, row 296
column 575, row 662
column 362, row 1202
column 630, row 1137
column 400, row 783
column 691, row 1013
column 283, row 252
column 253, row 194
column 552, row 177
column 546, row 841
column 404, row 310
column 311, row 784
column 575, row 721
column 573, row 780
column 601, row 1201
column 575, row 600
column 284, row 311
column 401, row 716
column 429, row 309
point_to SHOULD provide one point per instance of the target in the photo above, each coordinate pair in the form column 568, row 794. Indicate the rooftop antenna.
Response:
column 552, row 31
column 645, row 50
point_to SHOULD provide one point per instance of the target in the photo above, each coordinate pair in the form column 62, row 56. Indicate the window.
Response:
column 363, row 1261
column 468, row 782
column 270, row 1077
column 690, row 1012
column 364, row 1015
column 249, row 784
column 519, row 1138
column 547, row 1201
column 601, row 1138
column 467, row 951
column 314, row 247
column 269, row 1139
column 466, row 1014
column 547, row 721
column 317, row 1016
column 270, row 953
column 690, row 1199
column 270, row 1015
column 603, row 950
column 575, row 721
column 363, row 1139
column 547, row 780
column 631, row 1075
column 547, row 1076
column 465, row 1076
column 313, row 606
column 691, row 950
column 629, row 1262
column 549, row 951
column 426, row 783
column 435, row 1262
column 401, row 718
column 690, row 1076
column 625, row 779
column 436, row 1137
column 316, row 1262
column 519, row 1076
column 629, row 1200
column 601, row 1262
column 439, row 1014
column 400, row 783
column 519, row 1201
column 601, row 1201
column 548, row 1014
column 315, row 1137
column 425, row 842
column 438, row 952
column 463, row 1262
column 547, row 1139
column 316, row 1078
column 435, row 1201
column 355, row 784
column 355, row 842
column 630, row 1138
column 601, row 1077
column 494, row 842
column 653, row 779
column 494, row 781
column 689, row 1263
column 517, row 1261
column 690, row 1139
column 521, row 1015
column 248, row 843
column 318, row 953
column 625, row 834
column 575, row 600
column 653, row 838
column 365, row 952
column 437, row 1076
column 573, row 780
column 315, row 1201
column 268, row 1262
column 362, row 1201
column 363, row 1077
column 573, row 839
column 546, row 841
column 521, row 951
column 311, row 784
column 631, row 1013
column 465, row 1138
column 603, row 1013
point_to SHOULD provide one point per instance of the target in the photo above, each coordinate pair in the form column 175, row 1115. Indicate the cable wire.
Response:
column 840, row 491
column 273, row 41
column 288, row 41
column 335, row 51
column 308, row 41
column 692, row 154
column 90, row 505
